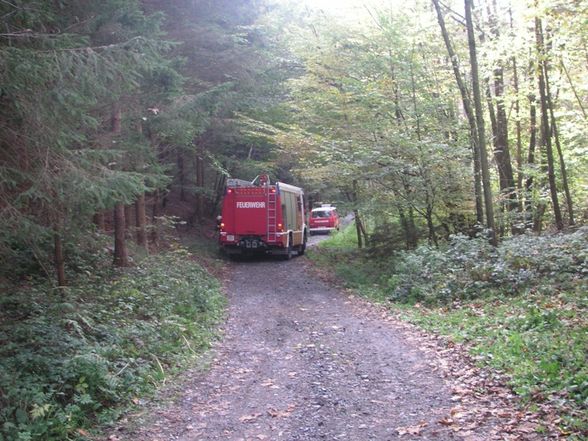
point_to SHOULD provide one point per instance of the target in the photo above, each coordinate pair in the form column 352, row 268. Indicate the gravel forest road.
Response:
column 300, row 360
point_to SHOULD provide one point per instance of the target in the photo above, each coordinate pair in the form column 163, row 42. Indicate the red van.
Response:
column 323, row 219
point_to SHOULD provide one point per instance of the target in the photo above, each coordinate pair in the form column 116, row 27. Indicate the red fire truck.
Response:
column 261, row 217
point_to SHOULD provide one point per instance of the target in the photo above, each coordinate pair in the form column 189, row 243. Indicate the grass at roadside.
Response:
column 522, row 309
column 73, row 358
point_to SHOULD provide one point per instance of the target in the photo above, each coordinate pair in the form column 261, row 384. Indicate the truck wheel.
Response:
column 302, row 248
column 288, row 254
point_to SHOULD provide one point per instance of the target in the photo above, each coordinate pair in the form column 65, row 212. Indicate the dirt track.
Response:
column 302, row 361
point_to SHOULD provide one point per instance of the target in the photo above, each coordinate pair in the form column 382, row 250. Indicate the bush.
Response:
column 69, row 359
column 471, row 268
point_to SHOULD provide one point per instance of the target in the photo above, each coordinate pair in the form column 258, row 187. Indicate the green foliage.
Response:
column 471, row 268
column 71, row 358
column 59, row 161
column 344, row 239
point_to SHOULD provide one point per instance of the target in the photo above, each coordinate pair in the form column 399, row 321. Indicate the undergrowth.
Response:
column 522, row 307
column 73, row 358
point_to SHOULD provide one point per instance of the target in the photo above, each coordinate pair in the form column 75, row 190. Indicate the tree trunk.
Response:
column 573, row 87
column 467, row 106
column 519, row 132
column 116, row 118
column 128, row 221
column 538, row 217
column 59, row 260
column 545, row 128
column 431, row 227
column 480, row 124
column 181, row 175
column 155, row 214
column 563, row 171
column 409, row 227
column 358, row 228
column 529, row 183
column 121, row 256
column 555, row 134
column 99, row 221
column 532, row 141
column 200, row 183
column 502, row 149
column 500, row 123
column 219, row 192
column 140, row 221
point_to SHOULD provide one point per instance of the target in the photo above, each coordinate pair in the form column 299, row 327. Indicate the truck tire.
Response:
column 302, row 248
column 289, row 250
column 288, row 254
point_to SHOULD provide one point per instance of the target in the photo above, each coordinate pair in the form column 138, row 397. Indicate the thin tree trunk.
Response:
column 555, row 133
column 414, row 103
column 218, row 193
column 140, row 221
column 502, row 163
column 538, row 217
column 529, row 183
column 59, row 260
column 407, row 223
column 573, row 87
column 362, row 238
column 467, row 106
column 532, row 139
column 502, row 148
column 200, row 183
column 563, row 171
column 181, row 175
column 480, row 124
column 121, row 255
column 431, row 227
column 99, row 221
column 128, row 221
column 155, row 214
column 363, row 231
column 545, row 130
column 116, row 118
column 411, row 229
column 358, row 228
column 500, row 123
column 519, row 131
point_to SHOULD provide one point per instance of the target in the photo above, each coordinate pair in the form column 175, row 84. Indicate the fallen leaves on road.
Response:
column 281, row 413
column 250, row 418
column 411, row 430
column 270, row 383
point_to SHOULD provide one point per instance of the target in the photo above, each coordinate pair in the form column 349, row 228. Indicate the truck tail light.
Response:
column 280, row 227
column 222, row 225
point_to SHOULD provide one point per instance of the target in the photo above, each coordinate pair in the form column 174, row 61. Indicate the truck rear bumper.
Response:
column 252, row 245
column 321, row 229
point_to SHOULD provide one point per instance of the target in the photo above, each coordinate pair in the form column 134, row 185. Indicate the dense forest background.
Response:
column 121, row 120
column 432, row 120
